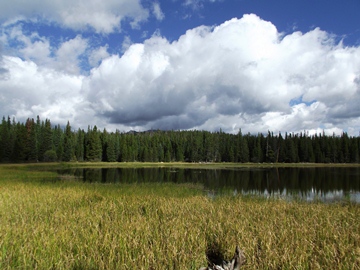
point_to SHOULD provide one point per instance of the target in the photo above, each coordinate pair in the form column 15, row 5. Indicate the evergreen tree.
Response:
column 46, row 142
column 6, row 140
column 80, row 145
column 38, row 135
column 303, row 149
column 31, row 144
column 68, row 152
column 310, row 150
column 280, row 156
column 209, row 146
column 38, row 140
column 58, row 143
column 318, row 154
column 123, row 149
column 345, row 141
column 131, row 148
column 179, row 148
column 110, row 149
column 290, row 150
column 19, row 150
column 257, row 152
column 244, row 148
column 270, row 153
column 117, row 145
column 354, row 151
column 93, row 149
column 104, row 136
column 167, row 148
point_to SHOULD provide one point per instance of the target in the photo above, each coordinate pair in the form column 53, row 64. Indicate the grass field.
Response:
column 47, row 222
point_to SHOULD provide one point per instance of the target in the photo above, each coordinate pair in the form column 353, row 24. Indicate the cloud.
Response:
column 126, row 44
column 66, row 56
column 102, row 16
column 243, row 74
column 240, row 74
column 156, row 9
column 29, row 46
column 97, row 55
column 3, row 70
column 196, row 4
column 29, row 90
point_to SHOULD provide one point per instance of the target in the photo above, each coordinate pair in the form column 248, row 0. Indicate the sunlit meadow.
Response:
column 52, row 222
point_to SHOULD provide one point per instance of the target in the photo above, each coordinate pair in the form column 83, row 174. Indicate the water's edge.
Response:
column 307, row 184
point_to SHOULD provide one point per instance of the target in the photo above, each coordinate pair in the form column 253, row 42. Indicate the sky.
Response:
column 254, row 65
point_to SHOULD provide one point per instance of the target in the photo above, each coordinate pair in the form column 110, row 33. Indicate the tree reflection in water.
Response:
column 325, row 184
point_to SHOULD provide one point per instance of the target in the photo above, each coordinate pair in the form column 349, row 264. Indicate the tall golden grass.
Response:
column 47, row 223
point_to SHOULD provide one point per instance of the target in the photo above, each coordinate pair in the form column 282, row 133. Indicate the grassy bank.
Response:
column 203, row 165
column 46, row 222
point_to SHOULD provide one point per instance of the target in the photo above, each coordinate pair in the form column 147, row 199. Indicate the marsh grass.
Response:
column 67, row 224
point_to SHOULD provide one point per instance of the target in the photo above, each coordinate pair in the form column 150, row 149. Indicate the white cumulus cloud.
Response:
column 243, row 72
column 97, row 55
column 28, row 90
column 65, row 56
column 104, row 16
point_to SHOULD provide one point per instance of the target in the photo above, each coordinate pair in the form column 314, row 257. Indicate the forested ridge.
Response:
column 37, row 140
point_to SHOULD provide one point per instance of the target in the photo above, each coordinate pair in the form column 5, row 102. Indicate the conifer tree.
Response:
column 179, row 150
column 110, row 149
column 167, row 149
column 244, row 149
column 117, row 145
column 68, row 152
column 34, row 141
column 31, row 144
column 345, row 147
column 318, row 154
column 6, row 140
column 123, row 149
column 19, row 149
column 257, row 152
column 80, row 145
column 104, row 137
column 58, row 143
column 46, row 142
column 290, row 151
column 93, row 145
column 280, row 155
column 354, row 151
column 38, row 134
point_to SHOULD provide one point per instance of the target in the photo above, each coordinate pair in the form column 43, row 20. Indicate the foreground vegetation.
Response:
column 60, row 223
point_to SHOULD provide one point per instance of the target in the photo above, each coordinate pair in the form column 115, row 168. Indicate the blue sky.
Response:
column 183, row 64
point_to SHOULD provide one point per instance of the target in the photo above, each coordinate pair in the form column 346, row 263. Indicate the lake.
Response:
column 307, row 184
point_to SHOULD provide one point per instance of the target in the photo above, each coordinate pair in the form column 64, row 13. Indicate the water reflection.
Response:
column 326, row 184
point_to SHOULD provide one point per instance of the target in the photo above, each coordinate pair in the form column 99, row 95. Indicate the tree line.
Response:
column 37, row 140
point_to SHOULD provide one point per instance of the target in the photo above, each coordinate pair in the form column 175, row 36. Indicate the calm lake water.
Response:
column 309, row 184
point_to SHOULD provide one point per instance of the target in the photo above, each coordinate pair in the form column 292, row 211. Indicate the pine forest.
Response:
column 40, row 141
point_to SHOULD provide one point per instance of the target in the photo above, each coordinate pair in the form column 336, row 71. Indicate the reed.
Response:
column 52, row 223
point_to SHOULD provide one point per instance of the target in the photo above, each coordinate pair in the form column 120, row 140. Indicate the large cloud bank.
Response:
column 240, row 74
